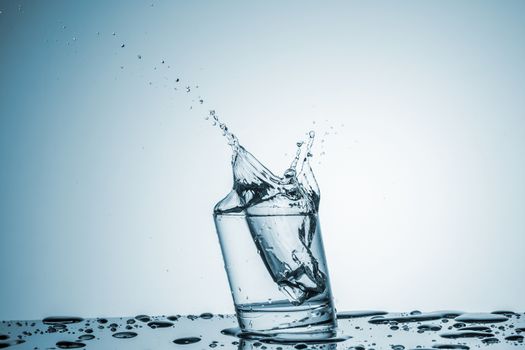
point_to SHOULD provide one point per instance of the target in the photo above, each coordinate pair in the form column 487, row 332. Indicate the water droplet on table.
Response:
column 124, row 335
column 188, row 340
column 70, row 345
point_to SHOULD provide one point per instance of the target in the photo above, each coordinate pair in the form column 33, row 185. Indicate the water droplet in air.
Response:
column 123, row 45
column 139, row 57
column 289, row 173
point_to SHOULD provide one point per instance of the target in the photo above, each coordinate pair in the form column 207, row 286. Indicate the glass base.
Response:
column 313, row 319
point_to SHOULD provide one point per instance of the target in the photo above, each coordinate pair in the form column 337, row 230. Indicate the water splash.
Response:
column 281, row 214
column 258, row 191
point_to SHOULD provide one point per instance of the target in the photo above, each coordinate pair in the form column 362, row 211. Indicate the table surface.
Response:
column 356, row 330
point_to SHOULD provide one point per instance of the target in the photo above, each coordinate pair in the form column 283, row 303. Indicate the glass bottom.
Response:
column 313, row 319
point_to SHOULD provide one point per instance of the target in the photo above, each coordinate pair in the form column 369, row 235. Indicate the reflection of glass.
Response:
column 247, row 344
column 277, row 273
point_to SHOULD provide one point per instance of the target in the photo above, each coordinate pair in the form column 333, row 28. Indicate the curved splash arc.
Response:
column 281, row 213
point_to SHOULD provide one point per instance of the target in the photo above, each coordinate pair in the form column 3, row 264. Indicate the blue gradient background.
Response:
column 108, row 178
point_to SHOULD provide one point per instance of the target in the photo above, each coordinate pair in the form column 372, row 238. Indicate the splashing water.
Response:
column 257, row 191
column 281, row 214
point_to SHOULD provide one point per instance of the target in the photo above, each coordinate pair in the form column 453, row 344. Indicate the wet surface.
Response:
column 358, row 330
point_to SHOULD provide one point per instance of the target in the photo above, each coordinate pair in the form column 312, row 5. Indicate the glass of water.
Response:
column 277, row 272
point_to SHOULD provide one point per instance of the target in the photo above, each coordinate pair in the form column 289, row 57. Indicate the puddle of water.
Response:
column 358, row 330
